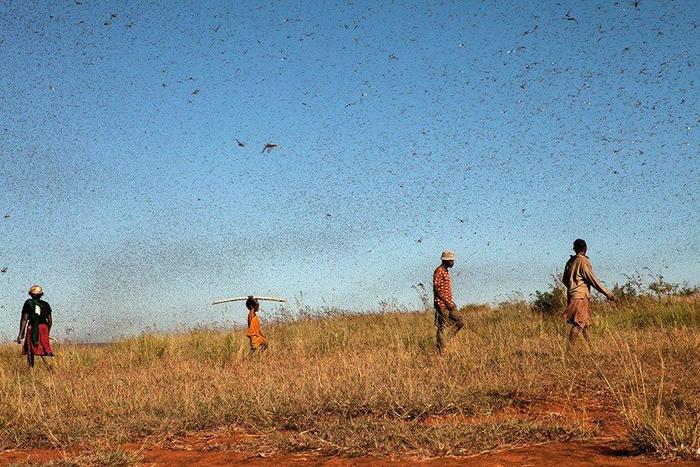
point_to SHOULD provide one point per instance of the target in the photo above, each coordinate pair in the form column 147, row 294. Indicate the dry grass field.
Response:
column 347, row 385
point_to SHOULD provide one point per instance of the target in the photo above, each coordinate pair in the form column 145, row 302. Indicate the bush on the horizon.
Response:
column 553, row 301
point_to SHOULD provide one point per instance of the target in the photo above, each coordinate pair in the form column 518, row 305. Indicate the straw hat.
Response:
column 447, row 255
column 36, row 290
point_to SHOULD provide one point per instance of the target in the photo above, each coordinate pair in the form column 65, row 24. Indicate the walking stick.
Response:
column 48, row 366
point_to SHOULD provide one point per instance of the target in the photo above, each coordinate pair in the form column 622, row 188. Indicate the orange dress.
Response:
column 254, row 333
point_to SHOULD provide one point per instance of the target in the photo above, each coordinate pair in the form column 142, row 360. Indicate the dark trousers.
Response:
column 445, row 318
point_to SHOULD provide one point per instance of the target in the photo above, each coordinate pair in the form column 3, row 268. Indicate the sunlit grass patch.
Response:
column 382, row 437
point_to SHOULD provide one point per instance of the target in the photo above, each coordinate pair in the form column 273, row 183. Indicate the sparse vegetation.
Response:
column 351, row 384
column 552, row 301
column 100, row 456
column 635, row 286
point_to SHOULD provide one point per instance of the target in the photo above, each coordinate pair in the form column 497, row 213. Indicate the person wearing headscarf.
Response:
column 35, row 326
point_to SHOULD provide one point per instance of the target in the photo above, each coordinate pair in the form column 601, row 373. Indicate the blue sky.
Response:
column 501, row 130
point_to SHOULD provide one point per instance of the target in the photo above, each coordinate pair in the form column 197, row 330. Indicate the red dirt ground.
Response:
column 573, row 454
column 219, row 448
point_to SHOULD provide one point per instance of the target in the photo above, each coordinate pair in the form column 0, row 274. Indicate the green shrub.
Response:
column 552, row 301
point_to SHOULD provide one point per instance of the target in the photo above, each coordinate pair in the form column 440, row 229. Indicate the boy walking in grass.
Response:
column 36, row 322
column 445, row 307
column 578, row 279
column 258, row 342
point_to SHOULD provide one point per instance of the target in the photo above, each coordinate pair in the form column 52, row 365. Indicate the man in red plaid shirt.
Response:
column 445, row 307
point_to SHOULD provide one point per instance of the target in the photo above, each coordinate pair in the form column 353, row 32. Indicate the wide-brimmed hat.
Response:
column 447, row 255
column 36, row 290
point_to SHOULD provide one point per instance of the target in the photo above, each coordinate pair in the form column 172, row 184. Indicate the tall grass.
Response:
column 355, row 384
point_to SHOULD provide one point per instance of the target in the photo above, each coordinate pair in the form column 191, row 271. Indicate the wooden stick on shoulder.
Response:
column 238, row 299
